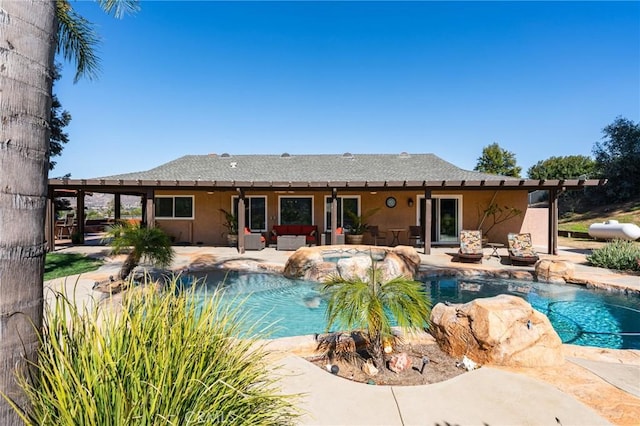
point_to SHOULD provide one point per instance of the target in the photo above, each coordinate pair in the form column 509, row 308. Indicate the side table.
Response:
column 495, row 247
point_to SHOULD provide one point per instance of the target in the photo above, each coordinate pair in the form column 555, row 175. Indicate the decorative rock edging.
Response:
column 467, row 273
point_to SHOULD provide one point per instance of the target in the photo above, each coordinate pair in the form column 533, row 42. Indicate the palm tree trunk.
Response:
column 27, row 47
column 129, row 265
column 375, row 347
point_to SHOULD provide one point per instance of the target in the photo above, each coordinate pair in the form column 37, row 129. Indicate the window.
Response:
column 296, row 211
column 345, row 204
column 174, row 207
column 255, row 212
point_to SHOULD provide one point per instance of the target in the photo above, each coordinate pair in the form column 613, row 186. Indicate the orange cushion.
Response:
column 339, row 231
column 247, row 231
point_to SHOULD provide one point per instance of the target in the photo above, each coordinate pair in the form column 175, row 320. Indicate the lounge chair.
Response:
column 521, row 250
column 470, row 246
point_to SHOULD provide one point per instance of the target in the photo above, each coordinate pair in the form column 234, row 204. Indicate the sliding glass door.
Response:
column 446, row 213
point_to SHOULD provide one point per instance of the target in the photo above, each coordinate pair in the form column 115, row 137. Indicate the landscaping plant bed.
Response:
column 440, row 367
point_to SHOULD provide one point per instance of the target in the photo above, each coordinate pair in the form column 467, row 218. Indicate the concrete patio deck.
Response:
column 594, row 386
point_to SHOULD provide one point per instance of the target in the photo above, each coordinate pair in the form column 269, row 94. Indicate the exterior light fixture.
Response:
column 410, row 202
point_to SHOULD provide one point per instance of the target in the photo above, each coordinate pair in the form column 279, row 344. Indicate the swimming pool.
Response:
column 295, row 307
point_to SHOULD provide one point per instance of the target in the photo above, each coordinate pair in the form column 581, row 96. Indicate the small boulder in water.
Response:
column 312, row 302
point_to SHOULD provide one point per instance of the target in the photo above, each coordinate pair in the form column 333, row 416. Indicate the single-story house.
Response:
column 185, row 197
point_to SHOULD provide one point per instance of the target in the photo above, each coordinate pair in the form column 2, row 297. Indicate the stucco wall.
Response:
column 207, row 228
column 536, row 223
column 494, row 227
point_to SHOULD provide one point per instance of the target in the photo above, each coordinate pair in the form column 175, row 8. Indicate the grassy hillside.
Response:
column 628, row 212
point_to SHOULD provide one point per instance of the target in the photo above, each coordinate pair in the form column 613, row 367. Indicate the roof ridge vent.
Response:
column 347, row 155
column 404, row 154
column 285, row 155
column 225, row 155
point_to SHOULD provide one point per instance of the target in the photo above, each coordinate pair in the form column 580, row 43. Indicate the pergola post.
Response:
column 117, row 206
column 80, row 217
column 427, row 221
column 148, row 209
column 334, row 216
column 241, row 220
column 553, row 223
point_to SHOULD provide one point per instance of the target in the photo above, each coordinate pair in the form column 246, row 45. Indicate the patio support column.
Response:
column 241, row 220
column 50, row 223
column 117, row 205
column 553, row 222
column 148, row 209
column 334, row 216
column 427, row 222
column 79, row 231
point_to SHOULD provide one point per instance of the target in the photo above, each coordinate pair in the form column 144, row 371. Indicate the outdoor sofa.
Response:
column 310, row 232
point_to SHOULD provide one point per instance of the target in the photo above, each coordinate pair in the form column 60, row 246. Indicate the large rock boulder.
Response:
column 500, row 330
column 554, row 271
column 308, row 262
column 354, row 268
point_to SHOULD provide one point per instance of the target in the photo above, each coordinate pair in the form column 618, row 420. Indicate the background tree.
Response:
column 27, row 48
column 618, row 159
column 569, row 167
column 59, row 120
column 497, row 161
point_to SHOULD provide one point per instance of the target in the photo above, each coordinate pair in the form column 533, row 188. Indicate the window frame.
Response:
column 173, row 207
column 234, row 210
column 311, row 197
column 327, row 209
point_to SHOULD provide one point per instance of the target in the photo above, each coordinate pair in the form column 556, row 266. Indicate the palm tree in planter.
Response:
column 231, row 224
column 369, row 305
column 151, row 244
column 358, row 225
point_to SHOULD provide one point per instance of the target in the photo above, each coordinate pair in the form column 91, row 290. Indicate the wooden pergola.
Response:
column 146, row 189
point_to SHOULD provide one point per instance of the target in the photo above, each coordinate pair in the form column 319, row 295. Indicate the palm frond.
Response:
column 77, row 41
column 120, row 8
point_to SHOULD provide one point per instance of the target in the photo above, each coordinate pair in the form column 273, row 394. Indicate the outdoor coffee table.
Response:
column 291, row 242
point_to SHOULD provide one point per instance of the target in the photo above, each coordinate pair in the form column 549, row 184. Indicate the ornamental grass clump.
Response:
column 619, row 254
column 166, row 359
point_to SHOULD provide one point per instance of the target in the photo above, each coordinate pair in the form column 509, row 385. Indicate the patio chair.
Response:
column 66, row 227
column 521, row 250
column 470, row 246
column 415, row 235
column 376, row 234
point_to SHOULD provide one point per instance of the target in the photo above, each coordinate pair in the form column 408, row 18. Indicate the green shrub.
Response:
column 162, row 360
column 619, row 254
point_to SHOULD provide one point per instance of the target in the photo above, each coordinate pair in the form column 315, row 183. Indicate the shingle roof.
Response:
column 309, row 168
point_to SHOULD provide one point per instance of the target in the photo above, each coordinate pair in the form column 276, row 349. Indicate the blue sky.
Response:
column 539, row 78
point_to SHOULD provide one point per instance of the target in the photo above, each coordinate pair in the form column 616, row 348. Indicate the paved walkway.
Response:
column 593, row 387
column 485, row 396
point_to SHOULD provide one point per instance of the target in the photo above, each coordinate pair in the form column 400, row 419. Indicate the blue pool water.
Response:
column 295, row 307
